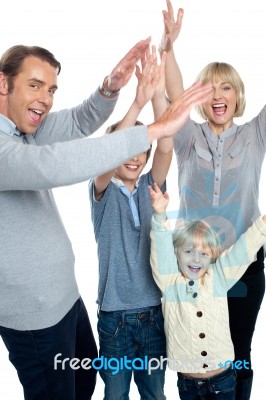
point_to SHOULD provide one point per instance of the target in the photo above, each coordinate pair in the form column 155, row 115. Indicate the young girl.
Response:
column 194, row 284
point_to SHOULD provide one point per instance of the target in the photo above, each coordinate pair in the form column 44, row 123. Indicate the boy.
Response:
column 130, row 322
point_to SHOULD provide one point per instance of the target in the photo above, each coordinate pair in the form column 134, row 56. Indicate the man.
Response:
column 42, row 316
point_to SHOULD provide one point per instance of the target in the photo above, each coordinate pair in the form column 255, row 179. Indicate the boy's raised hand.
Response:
column 148, row 76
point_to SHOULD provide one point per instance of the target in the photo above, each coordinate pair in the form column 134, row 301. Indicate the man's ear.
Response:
column 3, row 84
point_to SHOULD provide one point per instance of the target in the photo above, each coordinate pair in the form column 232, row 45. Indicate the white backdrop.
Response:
column 89, row 38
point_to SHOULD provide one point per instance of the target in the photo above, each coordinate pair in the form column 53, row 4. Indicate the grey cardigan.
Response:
column 37, row 280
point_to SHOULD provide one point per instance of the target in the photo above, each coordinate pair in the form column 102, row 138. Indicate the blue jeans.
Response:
column 219, row 387
column 33, row 355
column 132, row 334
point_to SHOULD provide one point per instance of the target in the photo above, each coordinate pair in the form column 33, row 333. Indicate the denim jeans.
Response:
column 132, row 334
column 33, row 355
column 219, row 387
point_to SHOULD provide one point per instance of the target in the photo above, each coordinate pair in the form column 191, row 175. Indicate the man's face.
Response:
column 32, row 96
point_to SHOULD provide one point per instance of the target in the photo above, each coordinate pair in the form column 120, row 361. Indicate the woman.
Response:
column 219, row 166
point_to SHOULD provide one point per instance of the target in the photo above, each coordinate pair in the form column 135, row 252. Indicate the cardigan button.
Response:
column 202, row 335
column 194, row 295
column 204, row 353
column 191, row 283
column 199, row 314
column 205, row 366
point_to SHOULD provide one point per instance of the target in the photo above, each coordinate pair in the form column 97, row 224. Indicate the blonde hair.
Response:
column 228, row 74
column 198, row 232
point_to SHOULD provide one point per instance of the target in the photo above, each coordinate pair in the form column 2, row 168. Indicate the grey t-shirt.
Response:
column 125, row 277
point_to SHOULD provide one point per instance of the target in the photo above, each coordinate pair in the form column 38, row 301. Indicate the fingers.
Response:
column 170, row 8
column 137, row 72
column 196, row 93
column 180, row 14
column 138, row 50
column 156, row 188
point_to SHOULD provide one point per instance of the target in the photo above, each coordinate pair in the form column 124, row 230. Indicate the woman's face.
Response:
column 220, row 106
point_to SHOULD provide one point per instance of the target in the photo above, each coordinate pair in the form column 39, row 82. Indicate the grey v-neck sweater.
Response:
column 37, row 279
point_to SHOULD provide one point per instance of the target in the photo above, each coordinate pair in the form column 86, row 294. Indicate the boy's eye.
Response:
column 206, row 254
column 188, row 251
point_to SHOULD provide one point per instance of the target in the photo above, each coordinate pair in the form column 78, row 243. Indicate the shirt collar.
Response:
column 8, row 127
column 120, row 183
column 227, row 133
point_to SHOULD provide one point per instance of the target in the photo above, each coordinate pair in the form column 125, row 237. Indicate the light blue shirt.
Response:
column 7, row 126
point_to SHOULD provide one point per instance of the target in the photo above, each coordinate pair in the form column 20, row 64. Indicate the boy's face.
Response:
column 193, row 259
column 130, row 171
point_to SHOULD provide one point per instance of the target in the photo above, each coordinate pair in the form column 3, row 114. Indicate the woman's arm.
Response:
column 172, row 28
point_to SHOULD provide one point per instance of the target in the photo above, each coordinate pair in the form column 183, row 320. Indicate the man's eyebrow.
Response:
column 41, row 82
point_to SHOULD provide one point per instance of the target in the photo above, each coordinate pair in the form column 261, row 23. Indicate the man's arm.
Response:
column 87, row 117
column 177, row 114
column 25, row 166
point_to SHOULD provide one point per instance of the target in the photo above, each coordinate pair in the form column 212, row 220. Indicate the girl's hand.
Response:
column 159, row 200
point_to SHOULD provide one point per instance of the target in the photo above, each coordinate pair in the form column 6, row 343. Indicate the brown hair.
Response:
column 12, row 59
column 112, row 128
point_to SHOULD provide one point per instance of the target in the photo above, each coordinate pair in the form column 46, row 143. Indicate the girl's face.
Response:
column 193, row 259
column 220, row 106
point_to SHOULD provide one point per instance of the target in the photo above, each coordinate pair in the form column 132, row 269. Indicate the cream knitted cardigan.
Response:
column 196, row 312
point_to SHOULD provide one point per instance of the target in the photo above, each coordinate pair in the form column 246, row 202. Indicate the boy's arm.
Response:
column 147, row 81
column 101, row 182
column 172, row 27
column 236, row 260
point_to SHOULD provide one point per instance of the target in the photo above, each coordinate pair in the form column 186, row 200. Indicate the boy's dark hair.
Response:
column 112, row 128
column 12, row 59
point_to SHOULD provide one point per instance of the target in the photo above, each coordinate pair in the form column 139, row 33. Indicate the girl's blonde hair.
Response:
column 227, row 73
column 198, row 232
